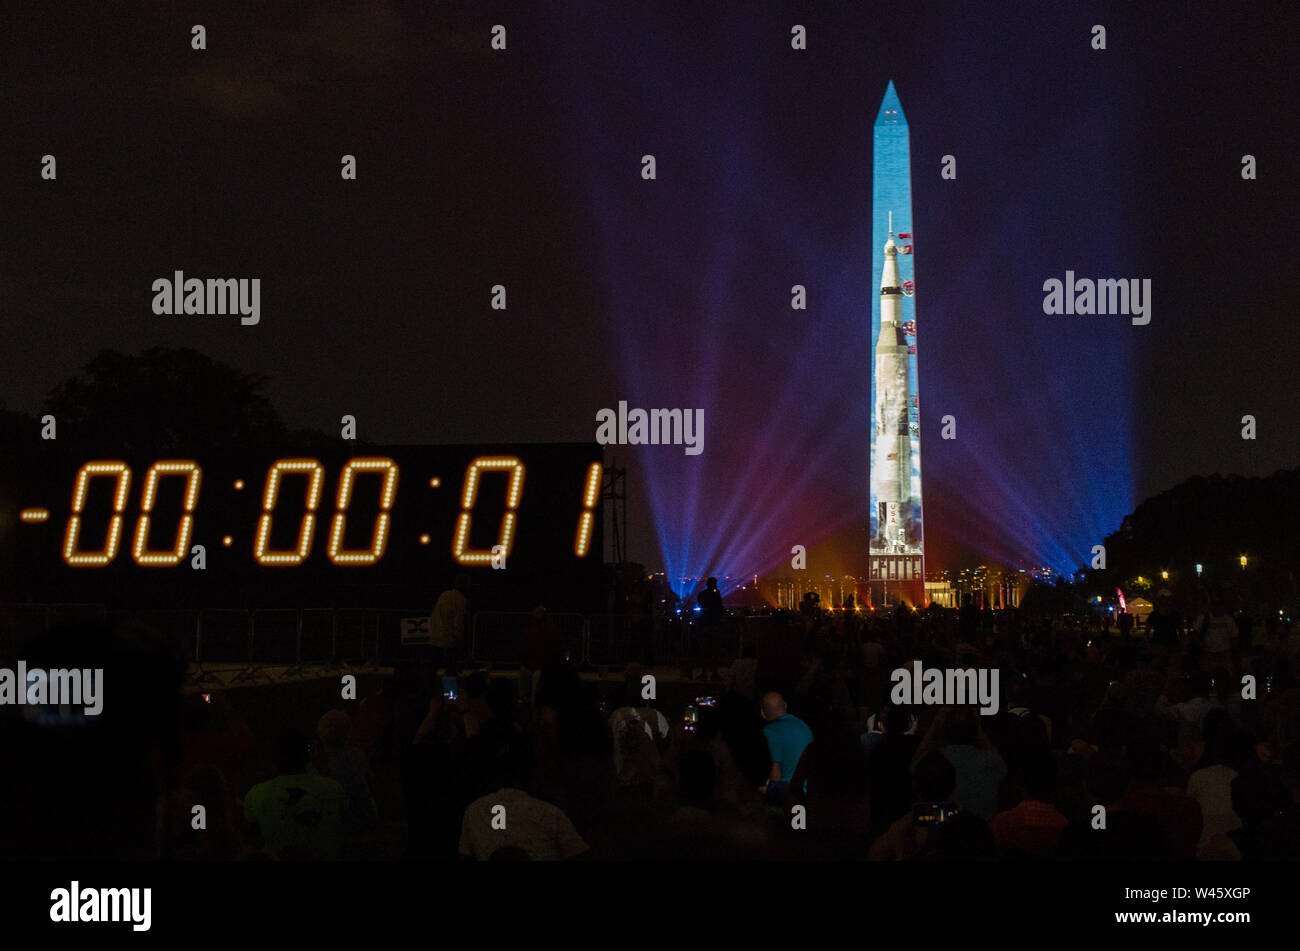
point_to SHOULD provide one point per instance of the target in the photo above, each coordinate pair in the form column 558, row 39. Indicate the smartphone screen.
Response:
column 450, row 688
column 690, row 718
column 932, row 813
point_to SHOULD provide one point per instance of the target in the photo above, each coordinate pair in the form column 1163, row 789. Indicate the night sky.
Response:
column 523, row 168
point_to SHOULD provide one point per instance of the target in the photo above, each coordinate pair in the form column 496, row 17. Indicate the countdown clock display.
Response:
column 371, row 526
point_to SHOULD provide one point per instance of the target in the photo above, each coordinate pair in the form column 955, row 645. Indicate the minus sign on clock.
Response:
column 34, row 515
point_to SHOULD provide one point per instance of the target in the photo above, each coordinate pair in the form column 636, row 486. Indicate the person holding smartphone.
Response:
column 933, row 784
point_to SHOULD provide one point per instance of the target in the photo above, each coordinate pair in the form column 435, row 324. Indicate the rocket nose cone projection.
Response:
column 896, row 548
column 889, row 283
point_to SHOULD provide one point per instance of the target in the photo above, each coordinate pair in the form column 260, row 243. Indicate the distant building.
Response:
column 942, row 593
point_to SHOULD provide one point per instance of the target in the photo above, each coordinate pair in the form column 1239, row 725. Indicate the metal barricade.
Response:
column 223, row 636
column 18, row 624
column 497, row 637
column 275, row 637
column 752, row 628
column 177, row 624
column 355, row 637
column 272, row 642
column 74, row 613
column 316, row 637
column 20, row 621
column 388, row 633
column 616, row 640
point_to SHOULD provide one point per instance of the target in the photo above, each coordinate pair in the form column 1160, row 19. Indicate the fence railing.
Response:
column 326, row 638
column 498, row 636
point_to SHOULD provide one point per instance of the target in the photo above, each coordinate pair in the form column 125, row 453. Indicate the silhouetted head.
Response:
column 1111, row 728
column 896, row 719
column 713, row 584
column 1107, row 777
column 1040, row 775
column 1145, row 758
column 333, row 729
column 291, row 752
column 89, row 785
column 934, row 778
column 962, row 725
column 774, row 706
column 1225, row 742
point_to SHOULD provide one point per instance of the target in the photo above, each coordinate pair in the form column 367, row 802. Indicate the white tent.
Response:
column 1139, row 607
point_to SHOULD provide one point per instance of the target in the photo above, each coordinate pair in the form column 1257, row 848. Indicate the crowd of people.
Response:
column 1128, row 744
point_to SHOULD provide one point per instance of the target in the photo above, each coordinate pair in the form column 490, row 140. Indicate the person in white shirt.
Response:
column 650, row 721
column 635, row 713
column 511, row 819
column 1227, row 750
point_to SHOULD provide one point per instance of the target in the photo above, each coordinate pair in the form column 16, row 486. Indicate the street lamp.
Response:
column 1199, row 566
column 1243, row 561
column 1165, row 575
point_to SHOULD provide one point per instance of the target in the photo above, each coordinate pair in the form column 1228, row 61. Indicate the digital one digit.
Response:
column 590, row 494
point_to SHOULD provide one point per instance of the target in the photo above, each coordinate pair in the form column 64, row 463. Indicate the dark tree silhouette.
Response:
column 163, row 401
column 1213, row 521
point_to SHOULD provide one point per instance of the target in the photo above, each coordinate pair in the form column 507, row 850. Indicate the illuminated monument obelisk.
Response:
column 896, row 553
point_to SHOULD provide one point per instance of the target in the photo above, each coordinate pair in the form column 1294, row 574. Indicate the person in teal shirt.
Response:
column 787, row 738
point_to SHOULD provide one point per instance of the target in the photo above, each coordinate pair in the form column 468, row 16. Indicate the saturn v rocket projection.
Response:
column 896, row 546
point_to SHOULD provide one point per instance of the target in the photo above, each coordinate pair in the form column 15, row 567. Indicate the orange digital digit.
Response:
column 469, row 495
column 271, row 495
column 590, row 494
column 169, row 467
column 72, row 552
column 379, row 538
